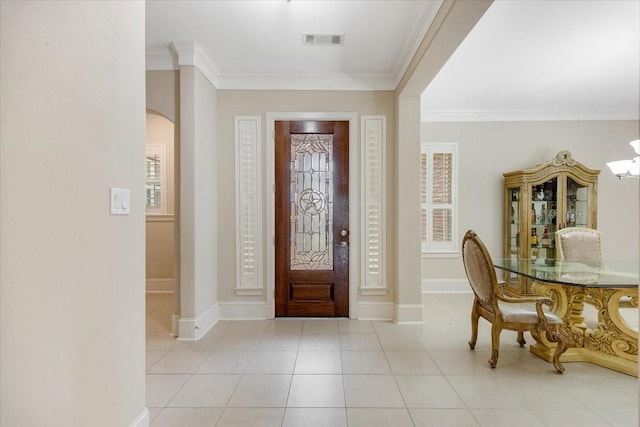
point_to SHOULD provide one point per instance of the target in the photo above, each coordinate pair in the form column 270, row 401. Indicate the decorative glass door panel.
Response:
column 577, row 204
column 544, row 215
column 311, row 202
column 512, row 231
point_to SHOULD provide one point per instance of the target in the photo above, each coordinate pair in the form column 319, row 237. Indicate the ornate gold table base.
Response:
column 612, row 343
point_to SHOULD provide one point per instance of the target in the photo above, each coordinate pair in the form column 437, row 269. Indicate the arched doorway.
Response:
column 161, row 256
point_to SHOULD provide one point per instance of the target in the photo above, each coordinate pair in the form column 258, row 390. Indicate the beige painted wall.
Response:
column 72, row 275
column 488, row 149
column 242, row 103
column 159, row 254
column 163, row 93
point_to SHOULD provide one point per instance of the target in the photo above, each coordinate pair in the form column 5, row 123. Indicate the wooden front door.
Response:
column 312, row 218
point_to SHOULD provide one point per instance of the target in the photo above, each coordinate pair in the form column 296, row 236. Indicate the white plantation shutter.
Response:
column 374, row 130
column 438, row 188
column 248, row 206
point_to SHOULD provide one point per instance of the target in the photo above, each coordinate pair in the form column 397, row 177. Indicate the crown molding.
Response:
column 305, row 82
column 161, row 58
column 177, row 54
column 526, row 116
column 413, row 42
column 193, row 54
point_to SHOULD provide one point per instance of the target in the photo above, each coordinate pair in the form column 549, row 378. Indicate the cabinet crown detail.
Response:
column 563, row 158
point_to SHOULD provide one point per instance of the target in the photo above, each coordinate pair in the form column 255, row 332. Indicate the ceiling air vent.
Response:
column 323, row 39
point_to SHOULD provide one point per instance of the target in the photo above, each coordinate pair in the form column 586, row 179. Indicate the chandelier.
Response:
column 627, row 168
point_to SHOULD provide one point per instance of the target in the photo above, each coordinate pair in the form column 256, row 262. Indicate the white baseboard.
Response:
column 190, row 329
column 367, row 310
column 375, row 310
column 257, row 310
column 445, row 285
column 409, row 313
column 175, row 325
column 243, row 310
column 160, row 285
column 141, row 420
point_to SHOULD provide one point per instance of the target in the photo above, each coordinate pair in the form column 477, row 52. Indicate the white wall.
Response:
column 72, row 275
column 488, row 149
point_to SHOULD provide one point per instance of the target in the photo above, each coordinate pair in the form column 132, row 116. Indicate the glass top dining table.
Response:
column 610, row 286
column 608, row 273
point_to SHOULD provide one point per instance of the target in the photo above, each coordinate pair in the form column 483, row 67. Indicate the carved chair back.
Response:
column 480, row 270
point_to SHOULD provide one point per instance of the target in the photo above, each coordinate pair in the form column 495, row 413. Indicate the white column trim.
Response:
column 192, row 329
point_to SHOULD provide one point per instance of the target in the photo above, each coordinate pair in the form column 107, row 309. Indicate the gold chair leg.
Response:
column 561, row 339
column 495, row 344
column 474, row 327
column 520, row 339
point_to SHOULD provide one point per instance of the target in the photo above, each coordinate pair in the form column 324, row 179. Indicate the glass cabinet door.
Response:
column 515, row 221
column 576, row 204
column 544, row 219
column 513, row 230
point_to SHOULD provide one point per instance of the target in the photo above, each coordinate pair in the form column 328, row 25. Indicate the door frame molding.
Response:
column 354, row 201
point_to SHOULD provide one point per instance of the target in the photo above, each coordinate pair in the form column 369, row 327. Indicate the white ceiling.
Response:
column 259, row 44
column 538, row 59
column 543, row 60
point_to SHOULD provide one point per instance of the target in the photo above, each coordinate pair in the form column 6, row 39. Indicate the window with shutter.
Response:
column 438, row 194
column 155, row 179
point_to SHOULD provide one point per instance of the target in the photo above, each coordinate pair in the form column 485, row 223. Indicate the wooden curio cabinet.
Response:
column 538, row 202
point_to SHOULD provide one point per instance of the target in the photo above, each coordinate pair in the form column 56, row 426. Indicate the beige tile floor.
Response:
column 340, row 372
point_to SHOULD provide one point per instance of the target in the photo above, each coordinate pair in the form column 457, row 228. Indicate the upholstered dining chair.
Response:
column 520, row 314
column 584, row 245
column 579, row 244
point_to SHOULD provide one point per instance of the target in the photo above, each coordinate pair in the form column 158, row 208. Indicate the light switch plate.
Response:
column 120, row 201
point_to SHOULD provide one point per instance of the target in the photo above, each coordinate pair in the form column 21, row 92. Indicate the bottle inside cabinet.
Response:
column 543, row 215
column 514, row 219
